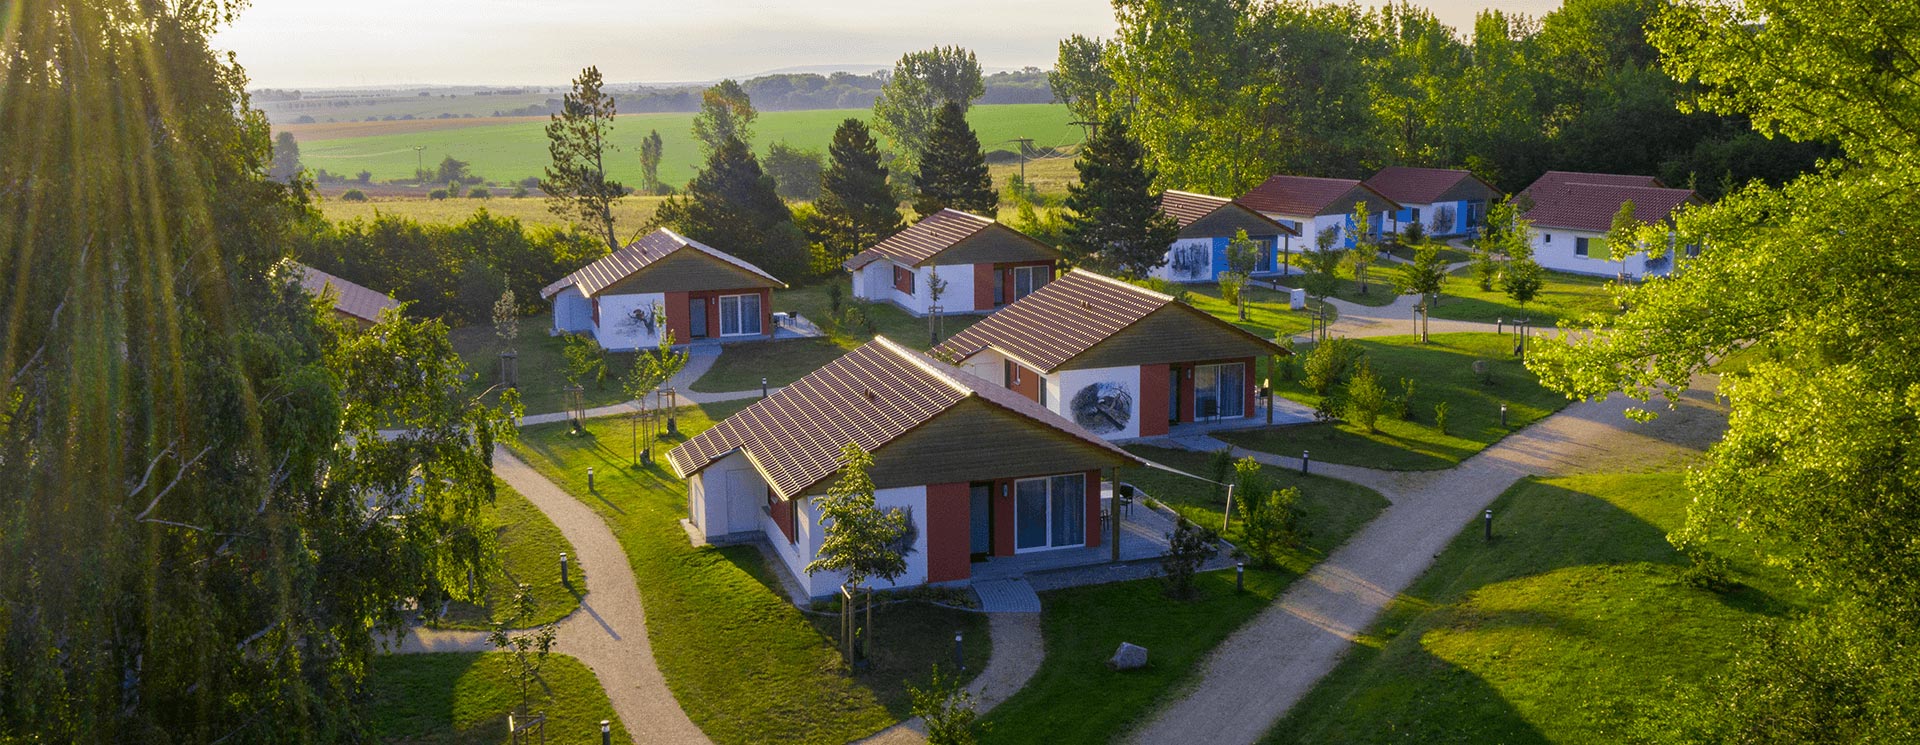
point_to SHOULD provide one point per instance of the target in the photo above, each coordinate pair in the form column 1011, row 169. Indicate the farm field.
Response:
column 517, row 148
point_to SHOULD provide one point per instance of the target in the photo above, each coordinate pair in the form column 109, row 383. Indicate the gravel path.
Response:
column 609, row 632
column 699, row 361
column 1252, row 678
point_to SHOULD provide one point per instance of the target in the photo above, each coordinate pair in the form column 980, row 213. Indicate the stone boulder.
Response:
column 1128, row 657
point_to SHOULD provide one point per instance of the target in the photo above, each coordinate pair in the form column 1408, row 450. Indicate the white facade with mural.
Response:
column 808, row 536
column 1104, row 400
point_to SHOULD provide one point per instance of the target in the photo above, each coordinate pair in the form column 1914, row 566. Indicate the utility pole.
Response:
column 419, row 160
column 1026, row 143
column 1092, row 127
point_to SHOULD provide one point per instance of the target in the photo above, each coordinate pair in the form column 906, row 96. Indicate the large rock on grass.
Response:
column 1128, row 657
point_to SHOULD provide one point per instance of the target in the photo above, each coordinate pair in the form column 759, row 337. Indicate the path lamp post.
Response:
column 1500, row 325
column 763, row 386
column 1239, row 576
column 1503, row 416
column 589, row 479
column 959, row 656
column 1487, row 524
column 565, row 579
column 606, row 732
column 1305, row 458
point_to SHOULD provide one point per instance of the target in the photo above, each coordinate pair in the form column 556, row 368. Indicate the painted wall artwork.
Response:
column 1103, row 407
column 1190, row 262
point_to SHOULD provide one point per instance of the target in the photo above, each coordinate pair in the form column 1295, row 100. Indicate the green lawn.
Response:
column 514, row 150
column 1380, row 289
column 530, row 547
column 1441, row 371
column 742, row 365
column 464, row 697
column 1448, row 253
column 1562, row 297
column 1074, row 698
column 1333, row 509
column 745, row 664
column 1564, row 629
column 1267, row 311
column 542, row 366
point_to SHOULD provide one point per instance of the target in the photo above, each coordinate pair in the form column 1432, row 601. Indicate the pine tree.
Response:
column 953, row 169
column 578, row 139
column 731, row 206
column 856, row 205
column 1116, row 223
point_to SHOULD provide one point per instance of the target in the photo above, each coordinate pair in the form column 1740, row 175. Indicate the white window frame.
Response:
column 1046, row 520
column 739, row 317
column 1029, row 273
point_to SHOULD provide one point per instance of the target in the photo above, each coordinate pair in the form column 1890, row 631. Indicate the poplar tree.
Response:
column 652, row 149
column 856, row 205
column 1115, row 223
column 578, row 139
column 953, row 168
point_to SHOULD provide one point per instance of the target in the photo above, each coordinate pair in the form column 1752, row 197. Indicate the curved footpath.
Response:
column 1017, row 651
column 1252, row 679
column 609, row 632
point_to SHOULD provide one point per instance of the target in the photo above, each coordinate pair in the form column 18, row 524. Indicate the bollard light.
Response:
column 1499, row 325
column 763, row 387
column 563, row 570
column 1503, row 415
column 1239, row 576
column 589, row 478
column 959, row 655
column 606, row 732
column 1305, row 457
column 1487, row 519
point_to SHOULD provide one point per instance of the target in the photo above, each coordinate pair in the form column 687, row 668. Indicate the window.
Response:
column 999, row 288
column 740, row 315
column 1546, row 237
column 903, row 279
column 1579, row 246
column 1050, row 512
column 1026, row 279
column 1219, row 391
column 1416, row 215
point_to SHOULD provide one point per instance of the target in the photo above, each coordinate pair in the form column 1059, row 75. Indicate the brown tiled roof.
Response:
column 1410, row 185
column 1561, row 178
column 650, row 248
column 1187, row 208
column 924, row 239
column 868, row 397
column 1061, row 320
column 1303, row 195
column 349, row 298
column 1564, row 202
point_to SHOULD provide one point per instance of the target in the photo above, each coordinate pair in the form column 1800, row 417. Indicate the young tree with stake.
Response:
column 651, row 369
column 1366, row 250
column 1243, row 254
column 860, row 540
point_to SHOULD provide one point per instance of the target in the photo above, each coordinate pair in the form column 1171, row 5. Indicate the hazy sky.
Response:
column 313, row 43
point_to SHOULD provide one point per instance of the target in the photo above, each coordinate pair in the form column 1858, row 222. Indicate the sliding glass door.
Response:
column 1219, row 391
column 740, row 315
column 1050, row 512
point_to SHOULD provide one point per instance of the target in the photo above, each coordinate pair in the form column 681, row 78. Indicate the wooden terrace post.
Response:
column 1113, row 510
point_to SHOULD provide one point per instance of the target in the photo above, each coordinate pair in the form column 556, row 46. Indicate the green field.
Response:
column 505, row 152
column 465, row 697
column 1569, row 627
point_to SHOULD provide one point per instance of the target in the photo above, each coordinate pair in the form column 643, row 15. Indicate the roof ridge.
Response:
column 924, row 363
column 964, row 213
column 1117, row 282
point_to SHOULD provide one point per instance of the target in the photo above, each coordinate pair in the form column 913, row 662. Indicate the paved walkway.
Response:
column 609, row 632
column 699, row 361
column 1017, row 652
column 1007, row 596
column 1252, row 679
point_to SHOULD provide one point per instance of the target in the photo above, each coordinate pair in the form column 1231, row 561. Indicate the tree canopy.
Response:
column 578, row 140
column 1115, row 223
column 725, row 111
column 857, row 207
column 731, row 205
column 953, row 168
column 921, row 83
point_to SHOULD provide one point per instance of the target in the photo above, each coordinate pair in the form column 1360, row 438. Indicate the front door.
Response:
column 697, row 317
column 1173, row 395
column 980, row 534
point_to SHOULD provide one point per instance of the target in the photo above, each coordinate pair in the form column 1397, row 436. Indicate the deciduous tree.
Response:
column 920, row 84
column 652, row 149
column 725, row 111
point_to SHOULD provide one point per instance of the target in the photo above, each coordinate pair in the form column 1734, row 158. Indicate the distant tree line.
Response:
column 1224, row 93
column 809, row 91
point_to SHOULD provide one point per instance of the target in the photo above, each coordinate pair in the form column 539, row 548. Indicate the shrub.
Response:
column 480, row 193
column 1708, row 571
column 1189, row 547
column 437, row 194
column 1327, row 364
column 1272, row 525
column 947, row 708
column 1403, row 406
column 353, row 195
column 519, row 192
column 1165, row 287
column 1366, row 398
column 1440, row 417
column 365, row 177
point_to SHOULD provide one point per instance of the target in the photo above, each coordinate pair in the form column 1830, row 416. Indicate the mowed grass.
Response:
column 542, row 366
column 1562, row 297
column 1380, row 282
column 1441, row 371
column 464, row 697
column 742, row 661
column 742, row 365
column 1331, row 509
column 629, row 214
column 1566, row 628
column 510, row 151
column 1268, row 314
column 530, row 547
column 1074, row 698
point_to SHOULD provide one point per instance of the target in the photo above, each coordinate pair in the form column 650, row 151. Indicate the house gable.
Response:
column 1469, row 189
column 977, row 440
column 1174, row 333
column 994, row 244
column 1343, row 204
column 687, row 270
column 1231, row 218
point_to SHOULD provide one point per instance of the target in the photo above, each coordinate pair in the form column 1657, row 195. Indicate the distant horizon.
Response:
column 349, row 44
